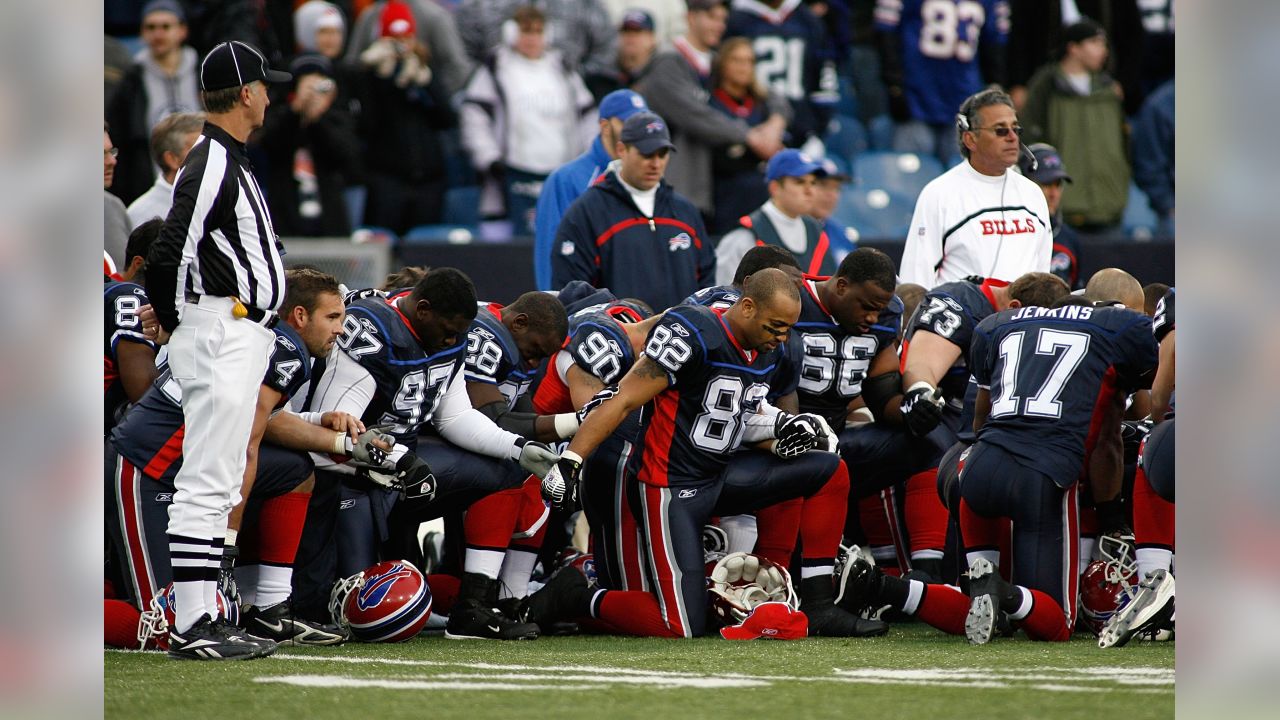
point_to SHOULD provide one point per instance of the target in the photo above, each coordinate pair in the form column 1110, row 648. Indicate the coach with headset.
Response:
column 981, row 217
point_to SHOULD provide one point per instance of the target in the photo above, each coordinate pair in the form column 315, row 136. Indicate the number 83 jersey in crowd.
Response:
column 836, row 360
column 1049, row 371
column 715, row 386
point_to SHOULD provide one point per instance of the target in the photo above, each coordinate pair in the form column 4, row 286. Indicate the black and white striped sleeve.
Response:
column 196, row 193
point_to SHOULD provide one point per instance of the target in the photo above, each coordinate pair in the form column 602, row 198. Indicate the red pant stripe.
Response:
column 666, row 573
column 128, row 491
column 1071, row 553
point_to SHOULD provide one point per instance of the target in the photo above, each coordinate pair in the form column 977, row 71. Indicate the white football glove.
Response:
column 537, row 458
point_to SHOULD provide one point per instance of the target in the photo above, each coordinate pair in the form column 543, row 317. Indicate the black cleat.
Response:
column 858, row 584
column 209, row 640
column 476, row 616
column 987, row 592
column 566, row 596
column 279, row 624
column 828, row 620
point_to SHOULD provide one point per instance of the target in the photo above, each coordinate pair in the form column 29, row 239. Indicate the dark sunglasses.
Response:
column 1003, row 131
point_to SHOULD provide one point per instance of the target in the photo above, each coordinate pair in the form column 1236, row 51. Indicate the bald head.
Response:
column 1117, row 285
column 768, row 286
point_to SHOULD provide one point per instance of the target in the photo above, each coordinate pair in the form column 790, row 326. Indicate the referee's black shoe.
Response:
column 207, row 640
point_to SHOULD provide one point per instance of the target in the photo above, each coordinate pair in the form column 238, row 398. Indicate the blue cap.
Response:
column 647, row 132
column 622, row 104
column 792, row 163
column 835, row 168
column 169, row 6
column 636, row 20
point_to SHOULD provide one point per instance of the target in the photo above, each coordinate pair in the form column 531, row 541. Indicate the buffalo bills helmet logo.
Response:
column 680, row 242
column 376, row 588
column 655, row 126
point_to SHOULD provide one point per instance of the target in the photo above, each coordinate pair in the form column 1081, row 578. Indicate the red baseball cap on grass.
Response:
column 771, row 620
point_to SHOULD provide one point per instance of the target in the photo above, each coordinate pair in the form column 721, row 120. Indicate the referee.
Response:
column 218, row 278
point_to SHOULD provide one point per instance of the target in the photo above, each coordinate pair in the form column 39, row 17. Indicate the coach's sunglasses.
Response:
column 1002, row 131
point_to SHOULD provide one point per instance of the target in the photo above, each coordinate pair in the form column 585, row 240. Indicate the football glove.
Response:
column 922, row 408
column 1132, row 433
column 364, row 451
column 226, row 574
column 560, row 486
column 830, row 440
column 596, row 401
column 536, row 457
column 415, row 478
column 797, row 434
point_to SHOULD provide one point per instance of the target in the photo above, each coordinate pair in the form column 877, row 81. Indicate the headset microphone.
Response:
column 1035, row 164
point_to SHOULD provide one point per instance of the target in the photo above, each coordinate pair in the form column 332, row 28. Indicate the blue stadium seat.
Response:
column 848, row 102
column 876, row 214
column 440, row 235
column 1140, row 221
column 901, row 173
column 880, row 132
column 462, row 206
column 846, row 138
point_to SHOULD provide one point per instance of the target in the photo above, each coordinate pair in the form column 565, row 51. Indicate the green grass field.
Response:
column 913, row 672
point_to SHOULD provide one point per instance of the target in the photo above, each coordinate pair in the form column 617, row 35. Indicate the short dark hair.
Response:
column 546, row 313
column 763, row 256
column 220, row 101
column 1038, row 288
column 303, row 287
column 910, row 294
column 761, row 287
column 1069, row 300
column 141, row 238
column 1151, row 295
column 868, row 264
column 965, row 119
column 449, row 291
column 405, row 277
column 527, row 15
column 168, row 134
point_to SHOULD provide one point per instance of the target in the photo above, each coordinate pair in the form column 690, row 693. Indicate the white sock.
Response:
column 926, row 554
column 1087, row 545
column 517, row 566
column 1152, row 559
column 915, row 593
column 807, row 571
column 247, row 582
column 741, row 531
column 1025, row 608
column 485, row 562
column 275, row 584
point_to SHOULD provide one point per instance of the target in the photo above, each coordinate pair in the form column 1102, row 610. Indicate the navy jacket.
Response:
column 605, row 240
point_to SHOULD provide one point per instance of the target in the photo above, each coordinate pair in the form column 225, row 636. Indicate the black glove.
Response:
column 922, row 408
column 417, row 482
column 226, row 574
column 1132, row 433
column 560, row 486
column 797, row 434
column 596, row 401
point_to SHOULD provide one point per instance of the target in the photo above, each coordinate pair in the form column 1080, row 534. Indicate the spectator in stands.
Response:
column 668, row 16
column 580, row 29
column 404, row 111
column 980, row 217
column 630, row 231
column 319, row 27
column 163, row 80
column 737, row 172
column 569, row 181
column 637, row 44
column 826, row 198
column 678, row 86
column 314, row 153
column 524, row 114
column 931, row 63
column 116, row 234
column 783, row 220
column 170, row 141
column 792, row 60
column 116, row 61
column 1153, row 154
column 1050, row 174
column 435, row 29
column 1076, row 106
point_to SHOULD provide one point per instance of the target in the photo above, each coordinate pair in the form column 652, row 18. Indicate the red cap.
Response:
column 772, row 620
column 396, row 20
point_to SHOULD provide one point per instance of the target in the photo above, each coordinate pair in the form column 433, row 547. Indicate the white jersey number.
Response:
column 1069, row 348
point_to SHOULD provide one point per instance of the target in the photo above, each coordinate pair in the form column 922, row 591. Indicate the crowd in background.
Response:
column 399, row 106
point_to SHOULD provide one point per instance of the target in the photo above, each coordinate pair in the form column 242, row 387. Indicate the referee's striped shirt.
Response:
column 218, row 239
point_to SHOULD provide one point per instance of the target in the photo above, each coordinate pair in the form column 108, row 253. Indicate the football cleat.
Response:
column 475, row 615
column 827, row 620
column 566, row 596
column 210, row 640
column 858, row 582
column 986, row 590
column 278, row 624
column 1149, row 610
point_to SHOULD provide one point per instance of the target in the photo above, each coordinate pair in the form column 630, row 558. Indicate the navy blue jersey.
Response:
column 150, row 434
column 787, row 379
column 835, row 360
column 598, row 345
column 1163, row 322
column 952, row 311
column 493, row 358
column 122, row 302
column 789, row 43
column 408, row 382
column 1049, row 371
column 940, row 49
column 690, row 428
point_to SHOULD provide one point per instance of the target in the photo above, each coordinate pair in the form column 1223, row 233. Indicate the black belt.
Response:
column 265, row 318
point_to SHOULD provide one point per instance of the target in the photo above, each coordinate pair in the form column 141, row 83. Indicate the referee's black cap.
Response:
column 235, row 63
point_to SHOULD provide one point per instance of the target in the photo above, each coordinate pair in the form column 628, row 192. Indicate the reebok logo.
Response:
column 164, row 497
column 687, row 493
column 347, row 504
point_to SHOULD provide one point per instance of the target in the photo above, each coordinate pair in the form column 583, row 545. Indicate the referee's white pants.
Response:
column 219, row 362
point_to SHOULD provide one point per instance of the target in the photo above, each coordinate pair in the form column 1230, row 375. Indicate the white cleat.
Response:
column 1149, row 610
